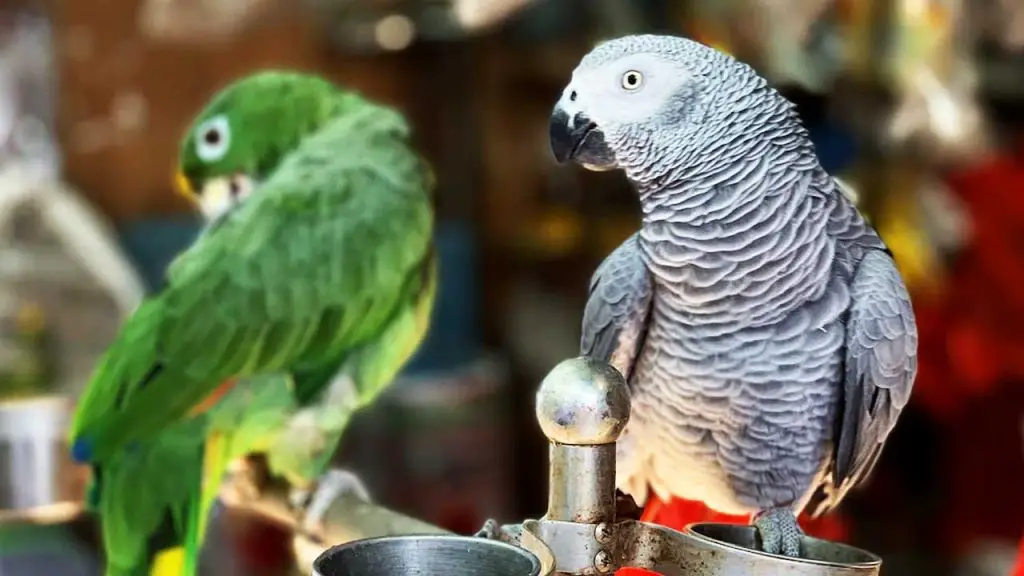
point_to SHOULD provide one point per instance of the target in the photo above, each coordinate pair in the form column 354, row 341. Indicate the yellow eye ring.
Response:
column 632, row 80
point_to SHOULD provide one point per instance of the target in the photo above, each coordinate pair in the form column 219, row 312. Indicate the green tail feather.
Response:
column 143, row 497
column 159, row 498
column 193, row 539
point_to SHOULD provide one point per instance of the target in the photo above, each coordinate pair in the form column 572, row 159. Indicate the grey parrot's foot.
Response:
column 626, row 507
column 491, row 530
column 779, row 531
column 312, row 505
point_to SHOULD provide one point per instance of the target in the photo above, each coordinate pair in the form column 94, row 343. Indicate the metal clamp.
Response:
column 583, row 407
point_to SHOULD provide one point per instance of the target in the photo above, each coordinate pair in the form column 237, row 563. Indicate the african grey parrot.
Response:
column 765, row 332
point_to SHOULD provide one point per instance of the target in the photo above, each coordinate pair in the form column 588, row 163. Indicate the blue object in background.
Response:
column 152, row 244
column 453, row 338
column 835, row 146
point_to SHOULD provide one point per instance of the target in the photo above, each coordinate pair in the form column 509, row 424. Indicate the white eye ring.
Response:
column 213, row 138
column 632, row 80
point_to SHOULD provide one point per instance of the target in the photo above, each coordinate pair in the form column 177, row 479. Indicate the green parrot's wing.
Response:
column 314, row 263
column 301, row 457
column 255, row 416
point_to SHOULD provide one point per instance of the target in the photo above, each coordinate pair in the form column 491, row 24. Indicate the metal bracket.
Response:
column 582, row 407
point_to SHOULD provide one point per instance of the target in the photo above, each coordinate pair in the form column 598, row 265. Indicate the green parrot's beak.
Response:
column 184, row 186
column 220, row 194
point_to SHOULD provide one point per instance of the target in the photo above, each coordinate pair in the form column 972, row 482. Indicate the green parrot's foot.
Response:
column 335, row 484
column 245, row 483
column 779, row 531
column 298, row 498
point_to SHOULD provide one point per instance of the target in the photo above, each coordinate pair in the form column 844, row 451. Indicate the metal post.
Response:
column 582, row 407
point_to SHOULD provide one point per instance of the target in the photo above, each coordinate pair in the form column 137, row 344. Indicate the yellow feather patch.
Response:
column 168, row 562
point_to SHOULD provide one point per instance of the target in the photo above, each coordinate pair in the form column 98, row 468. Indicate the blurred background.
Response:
column 917, row 104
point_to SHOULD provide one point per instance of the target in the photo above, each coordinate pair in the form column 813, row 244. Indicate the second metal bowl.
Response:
column 731, row 549
column 426, row 556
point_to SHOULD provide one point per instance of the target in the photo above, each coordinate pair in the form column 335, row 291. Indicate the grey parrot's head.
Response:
column 641, row 95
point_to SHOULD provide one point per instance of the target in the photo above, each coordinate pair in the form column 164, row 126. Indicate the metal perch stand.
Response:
column 582, row 407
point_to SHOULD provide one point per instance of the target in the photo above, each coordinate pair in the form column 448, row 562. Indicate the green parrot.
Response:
column 307, row 291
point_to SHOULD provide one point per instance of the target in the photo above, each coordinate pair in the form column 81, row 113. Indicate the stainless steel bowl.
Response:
column 731, row 550
column 426, row 556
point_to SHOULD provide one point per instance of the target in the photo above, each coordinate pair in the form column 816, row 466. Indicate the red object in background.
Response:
column 260, row 548
column 1018, row 570
column 678, row 513
column 971, row 354
column 982, row 470
column 972, row 339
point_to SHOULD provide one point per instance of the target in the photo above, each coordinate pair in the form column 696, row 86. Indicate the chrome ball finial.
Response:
column 583, row 402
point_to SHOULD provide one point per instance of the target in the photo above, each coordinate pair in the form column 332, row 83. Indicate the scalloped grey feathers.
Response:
column 615, row 319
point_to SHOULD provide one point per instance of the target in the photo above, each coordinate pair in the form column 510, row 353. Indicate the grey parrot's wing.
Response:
column 881, row 363
column 615, row 318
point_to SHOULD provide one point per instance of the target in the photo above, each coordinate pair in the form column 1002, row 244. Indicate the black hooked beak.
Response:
column 566, row 141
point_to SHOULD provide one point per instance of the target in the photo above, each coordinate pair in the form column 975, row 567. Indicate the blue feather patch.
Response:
column 81, row 451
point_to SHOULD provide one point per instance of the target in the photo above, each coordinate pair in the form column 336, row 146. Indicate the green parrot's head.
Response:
column 242, row 134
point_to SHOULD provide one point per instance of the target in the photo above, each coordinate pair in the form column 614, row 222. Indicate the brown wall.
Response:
column 125, row 101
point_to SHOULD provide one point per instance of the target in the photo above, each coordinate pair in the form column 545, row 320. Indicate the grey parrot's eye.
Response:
column 213, row 138
column 572, row 96
column 632, row 80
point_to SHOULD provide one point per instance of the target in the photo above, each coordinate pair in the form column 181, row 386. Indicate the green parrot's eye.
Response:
column 213, row 138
